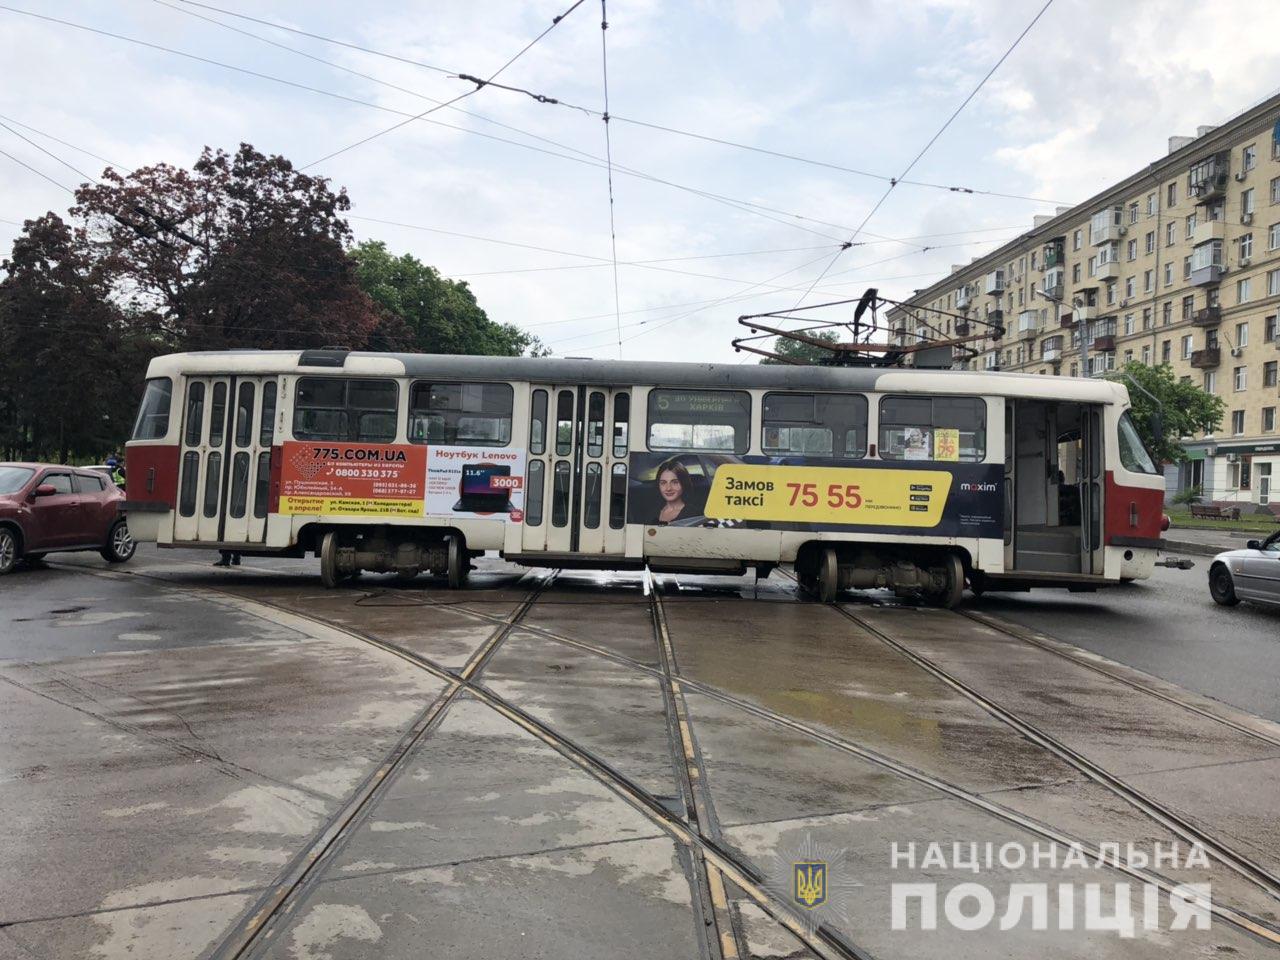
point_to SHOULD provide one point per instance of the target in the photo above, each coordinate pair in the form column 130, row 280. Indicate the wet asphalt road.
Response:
column 1166, row 626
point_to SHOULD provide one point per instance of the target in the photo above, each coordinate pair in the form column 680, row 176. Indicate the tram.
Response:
column 917, row 481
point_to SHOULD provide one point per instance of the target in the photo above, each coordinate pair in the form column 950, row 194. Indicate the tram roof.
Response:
column 562, row 370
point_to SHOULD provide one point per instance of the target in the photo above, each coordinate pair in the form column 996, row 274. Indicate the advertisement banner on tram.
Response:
column 810, row 493
column 476, row 482
column 326, row 478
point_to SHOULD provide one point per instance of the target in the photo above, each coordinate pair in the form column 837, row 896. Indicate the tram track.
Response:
column 728, row 862
column 1267, row 881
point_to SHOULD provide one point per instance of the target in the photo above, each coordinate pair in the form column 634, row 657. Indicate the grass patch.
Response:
column 1180, row 517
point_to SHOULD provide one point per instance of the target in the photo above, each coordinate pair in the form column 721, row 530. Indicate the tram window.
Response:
column 461, row 414
column 533, row 496
column 560, row 495
column 595, row 425
column 538, row 423
column 1133, row 455
column 212, row 482
column 618, row 497
column 591, row 504
column 941, row 428
column 621, row 423
column 218, row 415
column 262, row 484
column 267, row 421
column 239, row 485
column 700, row 420
column 564, row 423
column 244, row 414
column 153, row 413
column 815, row 424
column 195, row 414
column 331, row 408
column 190, row 477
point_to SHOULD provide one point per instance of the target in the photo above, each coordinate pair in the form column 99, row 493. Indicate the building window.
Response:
column 1275, row 189
column 1246, row 245
column 1237, row 422
column 1132, row 249
column 1166, row 351
column 1171, row 194
column 1242, row 290
column 1130, row 287
column 1093, row 266
column 1146, row 355
column 1133, row 212
column 1188, row 306
column 1170, row 234
column 1239, row 379
column 1268, row 419
column 1128, row 324
column 1191, row 226
column 1151, row 204
column 1168, row 274
column 1186, row 347
column 1075, row 273
column 1211, row 381
column 1269, row 329
column 1186, row 268
column 1167, row 313
column 1077, row 239
column 1249, row 157
column 1273, row 236
column 1246, row 202
column 1242, row 334
column 1146, row 318
column 1111, row 293
column 1151, row 241
column 1148, row 280
column 1269, row 373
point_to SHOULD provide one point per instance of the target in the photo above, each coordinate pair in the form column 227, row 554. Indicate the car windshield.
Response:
column 12, row 479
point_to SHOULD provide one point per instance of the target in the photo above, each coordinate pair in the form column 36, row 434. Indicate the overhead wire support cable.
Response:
column 932, row 140
column 608, row 153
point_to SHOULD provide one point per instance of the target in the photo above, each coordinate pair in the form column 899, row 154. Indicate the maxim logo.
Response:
column 979, row 487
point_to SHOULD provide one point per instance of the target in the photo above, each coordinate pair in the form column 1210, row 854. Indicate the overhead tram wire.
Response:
column 480, row 85
column 608, row 152
column 555, row 101
column 932, row 140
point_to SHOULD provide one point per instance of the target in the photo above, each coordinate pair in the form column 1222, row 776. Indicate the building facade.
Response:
column 1179, row 264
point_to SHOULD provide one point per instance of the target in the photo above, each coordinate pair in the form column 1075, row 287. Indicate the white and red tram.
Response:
column 912, row 480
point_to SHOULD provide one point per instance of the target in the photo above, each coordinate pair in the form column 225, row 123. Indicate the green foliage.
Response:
column 439, row 315
column 1189, row 495
column 803, row 352
column 1185, row 408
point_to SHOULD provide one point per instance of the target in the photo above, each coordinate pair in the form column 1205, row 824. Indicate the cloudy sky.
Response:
column 1088, row 97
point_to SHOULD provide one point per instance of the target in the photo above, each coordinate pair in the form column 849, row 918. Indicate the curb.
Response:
column 1197, row 549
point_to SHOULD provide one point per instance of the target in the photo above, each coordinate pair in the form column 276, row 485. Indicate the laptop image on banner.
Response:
column 476, row 493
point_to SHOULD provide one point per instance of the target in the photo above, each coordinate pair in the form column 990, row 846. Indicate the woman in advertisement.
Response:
column 674, row 485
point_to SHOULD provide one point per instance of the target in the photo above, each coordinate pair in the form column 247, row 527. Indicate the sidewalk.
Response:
column 1206, row 543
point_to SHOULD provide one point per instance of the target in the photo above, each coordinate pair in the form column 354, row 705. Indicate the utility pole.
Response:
column 1084, row 340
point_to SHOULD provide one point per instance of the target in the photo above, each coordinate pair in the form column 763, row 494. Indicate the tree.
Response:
column 1184, row 408
column 240, row 251
column 440, row 315
column 69, row 363
column 803, row 352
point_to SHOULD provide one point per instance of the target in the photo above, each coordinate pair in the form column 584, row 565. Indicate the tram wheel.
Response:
column 828, row 575
column 459, row 564
column 329, row 560
column 950, row 596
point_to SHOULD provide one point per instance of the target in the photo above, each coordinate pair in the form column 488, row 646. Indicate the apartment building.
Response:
column 1178, row 263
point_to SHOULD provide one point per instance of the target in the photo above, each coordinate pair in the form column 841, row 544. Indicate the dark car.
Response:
column 45, row 508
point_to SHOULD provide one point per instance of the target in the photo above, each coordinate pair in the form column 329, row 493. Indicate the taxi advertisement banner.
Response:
column 324, row 478
column 945, row 498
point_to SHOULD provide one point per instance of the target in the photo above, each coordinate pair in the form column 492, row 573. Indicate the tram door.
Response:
column 224, row 486
column 576, row 479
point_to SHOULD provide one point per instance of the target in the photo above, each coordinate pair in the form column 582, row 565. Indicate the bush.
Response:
column 1187, row 496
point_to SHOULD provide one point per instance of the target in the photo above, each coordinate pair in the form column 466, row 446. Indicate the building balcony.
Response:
column 1203, row 276
column 1207, row 317
column 1106, row 343
column 994, row 283
column 1069, row 319
column 962, row 328
column 1055, row 252
column 1085, row 313
column 1209, row 185
column 1207, row 230
column 964, row 296
column 1206, row 359
column 1110, row 233
column 994, row 314
column 1107, row 271
column 1051, row 355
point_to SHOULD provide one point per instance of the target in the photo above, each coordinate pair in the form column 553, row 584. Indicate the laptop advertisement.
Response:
column 475, row 482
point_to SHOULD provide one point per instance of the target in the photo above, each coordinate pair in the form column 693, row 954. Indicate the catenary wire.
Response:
column 608, row 153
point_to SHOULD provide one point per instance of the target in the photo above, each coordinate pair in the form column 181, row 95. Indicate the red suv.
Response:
column 45, row 508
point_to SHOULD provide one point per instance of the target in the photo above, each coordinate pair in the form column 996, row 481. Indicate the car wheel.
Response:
column 8, row 550
column 120, row 544
column 1221, row 587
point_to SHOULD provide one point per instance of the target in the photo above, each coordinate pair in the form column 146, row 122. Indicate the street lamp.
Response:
column 1084, row 341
